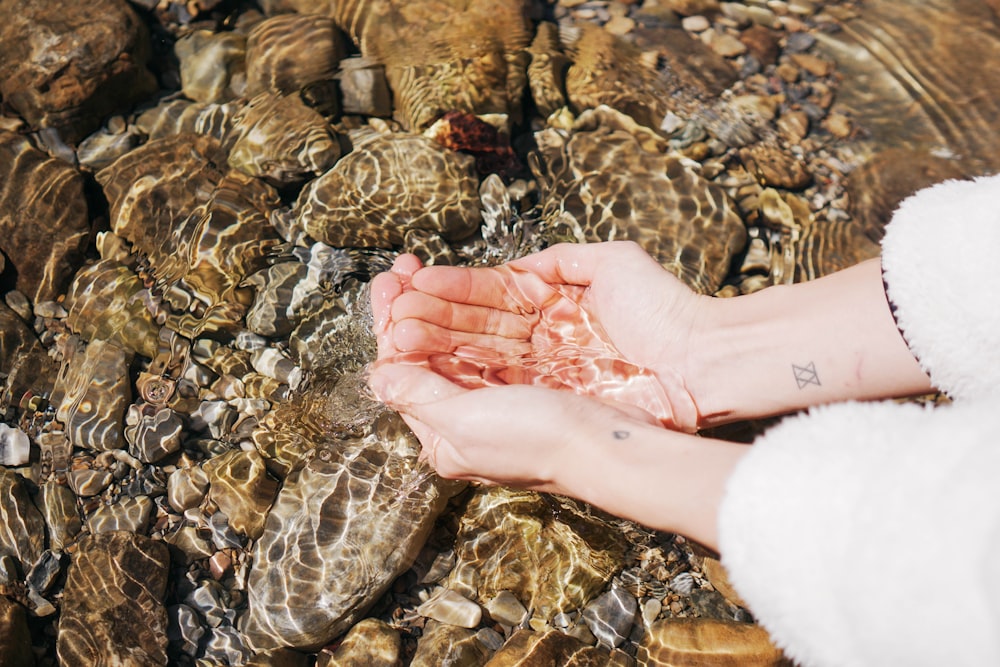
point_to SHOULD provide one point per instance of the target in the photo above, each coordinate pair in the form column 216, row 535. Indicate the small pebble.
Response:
column 610, row 616
column 838, row 125
column 696, row 23
column 449, row 607
column 506, row 608
column 620, row 25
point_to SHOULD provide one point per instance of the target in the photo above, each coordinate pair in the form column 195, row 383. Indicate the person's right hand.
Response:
column 601, row 319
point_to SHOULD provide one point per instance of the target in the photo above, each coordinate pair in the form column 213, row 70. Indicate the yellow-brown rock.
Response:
column 241, row 488
column 707, row 643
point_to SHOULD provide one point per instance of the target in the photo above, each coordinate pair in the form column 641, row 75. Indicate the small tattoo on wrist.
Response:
column 806, row 375
column 620, row 435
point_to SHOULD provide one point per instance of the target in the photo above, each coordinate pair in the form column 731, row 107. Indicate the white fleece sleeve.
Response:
column 869, row 534
column 939, row 260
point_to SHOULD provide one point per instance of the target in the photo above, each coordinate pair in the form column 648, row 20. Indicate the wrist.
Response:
column 790, row 347
column 660, row 478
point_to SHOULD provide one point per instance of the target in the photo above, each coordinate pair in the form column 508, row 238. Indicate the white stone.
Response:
column 15, row 448
column 449, row 607
column 696, row 23
column 505, row 608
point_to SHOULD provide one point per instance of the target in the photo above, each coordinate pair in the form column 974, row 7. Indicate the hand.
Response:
column 601, row 319
column 606, row 454
column 470, row 434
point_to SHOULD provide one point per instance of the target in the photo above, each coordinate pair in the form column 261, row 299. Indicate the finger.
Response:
column 412, row 335
column 460, row 317
column 428, row 437
column 405, row 266
column 403, row 386
column 478, row 287
column 385, row 288
column 577, row 263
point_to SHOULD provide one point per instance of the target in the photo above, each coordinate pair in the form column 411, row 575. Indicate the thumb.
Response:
column 403, row 386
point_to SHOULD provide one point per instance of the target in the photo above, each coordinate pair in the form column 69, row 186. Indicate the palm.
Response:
column 599, row 320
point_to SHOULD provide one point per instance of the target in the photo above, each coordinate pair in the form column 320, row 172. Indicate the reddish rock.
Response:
column 67, row 65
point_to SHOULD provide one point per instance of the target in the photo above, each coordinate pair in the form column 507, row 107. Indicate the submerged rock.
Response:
column 22, row 527
column 44, row 221
column 351, row 517
column 112, row 608
column 66, row 66
column 550, row 557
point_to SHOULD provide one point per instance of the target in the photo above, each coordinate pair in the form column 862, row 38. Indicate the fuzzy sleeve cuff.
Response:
column 868, row 534
column 939, row 259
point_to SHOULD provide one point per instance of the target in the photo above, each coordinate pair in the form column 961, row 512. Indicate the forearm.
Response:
column 662, row 479
column 789, row 347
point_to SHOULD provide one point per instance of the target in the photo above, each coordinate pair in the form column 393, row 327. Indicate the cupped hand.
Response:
column 519, row 435
column 603, row 320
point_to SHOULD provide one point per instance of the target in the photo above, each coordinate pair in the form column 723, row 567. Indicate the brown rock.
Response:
column 550, row 648
column 15, row 638
column 22, row 528
column 443, row 644
column 813, row 64
column 44, row 223
column 690, row 7
column 287, row 52
column 364, row 89
column 212, row 65
column 725, row 44
column 773, row 167
column 370, row 643
column 344, row 526
column 717, row 576
column 695, row 65
column 282, row 657
column 509, row 541
column 23, row 359
column 707, row 643
column 838, row 125
column 112, row 608
column 762, row 42
column 68, row 65
column 794, row 125
column 240, row 486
